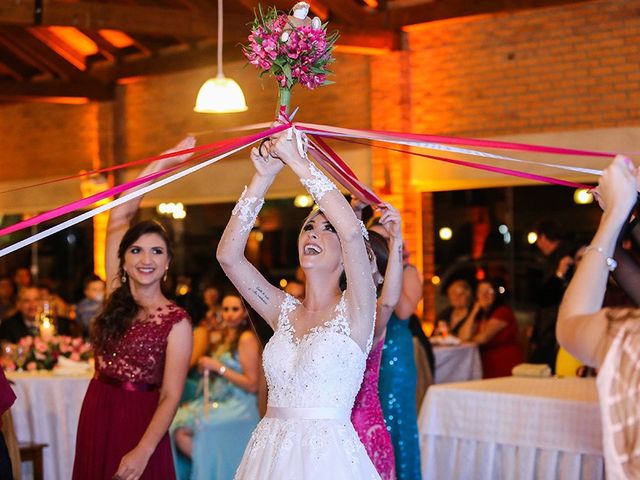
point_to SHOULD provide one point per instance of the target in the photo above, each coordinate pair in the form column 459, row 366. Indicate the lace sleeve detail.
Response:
column 247, row 210
column 289, row 304
column 318, row 185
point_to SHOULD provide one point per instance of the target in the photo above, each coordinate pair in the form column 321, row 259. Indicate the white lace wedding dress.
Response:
column 307, row 432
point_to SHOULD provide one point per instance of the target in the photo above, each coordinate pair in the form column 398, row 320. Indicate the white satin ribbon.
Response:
column 114, row 203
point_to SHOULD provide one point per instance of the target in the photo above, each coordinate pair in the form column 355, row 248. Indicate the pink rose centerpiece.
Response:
column 292, row 48
column 35, row 353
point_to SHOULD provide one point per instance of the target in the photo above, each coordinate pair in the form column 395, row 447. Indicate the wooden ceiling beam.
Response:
column 26, row 46
column 367, row 38
column 55, row 92
column 16, row 12
column 442, row 10
column 106, row 49
column 136, row 19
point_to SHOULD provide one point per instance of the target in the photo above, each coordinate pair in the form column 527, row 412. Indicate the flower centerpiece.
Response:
column 36, row 353
column 292, row 48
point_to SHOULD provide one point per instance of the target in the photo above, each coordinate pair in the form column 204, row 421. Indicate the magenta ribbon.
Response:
column 222, row 147
column 334, row 133
column 479, row 166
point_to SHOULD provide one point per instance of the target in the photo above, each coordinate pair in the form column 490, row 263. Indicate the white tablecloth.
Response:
column 46, row 410
column 512, row 428
column 457, row 363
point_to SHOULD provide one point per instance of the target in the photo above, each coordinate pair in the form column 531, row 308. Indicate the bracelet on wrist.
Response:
column 222, row 370
column 610, row 261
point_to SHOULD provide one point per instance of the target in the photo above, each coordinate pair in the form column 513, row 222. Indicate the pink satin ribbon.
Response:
column 85, row 202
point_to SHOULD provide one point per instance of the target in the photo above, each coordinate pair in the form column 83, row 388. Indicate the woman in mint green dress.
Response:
column 209, row 440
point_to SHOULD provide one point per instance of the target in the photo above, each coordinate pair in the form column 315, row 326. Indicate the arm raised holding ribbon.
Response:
column 120, row 217
column 263, row 297
column 331, row 243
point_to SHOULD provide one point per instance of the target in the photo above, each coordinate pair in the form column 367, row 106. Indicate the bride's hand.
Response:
column 285, row 147
column 132, row 465
column 266, row 166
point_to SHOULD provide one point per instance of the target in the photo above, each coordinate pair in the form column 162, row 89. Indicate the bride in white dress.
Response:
column 315, row 361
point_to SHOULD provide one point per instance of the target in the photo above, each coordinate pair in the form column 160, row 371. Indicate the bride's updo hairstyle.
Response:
column 121, row 308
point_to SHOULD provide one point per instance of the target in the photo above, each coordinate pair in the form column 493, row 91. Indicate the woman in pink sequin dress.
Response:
column 142, row 345
column 367, row 416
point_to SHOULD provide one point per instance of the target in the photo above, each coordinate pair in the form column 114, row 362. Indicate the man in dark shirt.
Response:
column 559, row 262
column 25, row 323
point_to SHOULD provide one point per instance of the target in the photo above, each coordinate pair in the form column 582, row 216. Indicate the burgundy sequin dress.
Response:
column 122, row 398
column 368, row 420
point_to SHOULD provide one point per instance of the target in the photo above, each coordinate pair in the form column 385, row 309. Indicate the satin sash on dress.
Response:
column 310, row 413
column 124, row 385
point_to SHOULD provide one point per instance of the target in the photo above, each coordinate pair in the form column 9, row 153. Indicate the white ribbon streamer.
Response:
column 345, row 132
column 114, row 203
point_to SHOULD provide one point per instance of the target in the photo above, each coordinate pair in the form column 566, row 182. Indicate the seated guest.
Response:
column 492, row 325
column 215, row 441
column 90, row 306
column 7, row 298
column 25, row 322
column 460, row 296
column 608, row 338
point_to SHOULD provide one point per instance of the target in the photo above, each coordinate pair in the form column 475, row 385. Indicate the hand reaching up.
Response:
column 266, row 166
column 390, row 220
column 617, row 190
column 184, row 144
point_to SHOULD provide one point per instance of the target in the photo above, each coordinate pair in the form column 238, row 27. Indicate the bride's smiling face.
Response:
column 318, row 244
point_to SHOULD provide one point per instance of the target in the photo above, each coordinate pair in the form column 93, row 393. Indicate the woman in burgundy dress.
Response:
column 142, row 345
column 492, row 325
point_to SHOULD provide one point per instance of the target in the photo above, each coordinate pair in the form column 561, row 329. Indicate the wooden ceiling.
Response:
column 74, row 51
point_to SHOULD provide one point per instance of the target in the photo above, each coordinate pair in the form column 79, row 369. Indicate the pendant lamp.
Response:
column 220, row 94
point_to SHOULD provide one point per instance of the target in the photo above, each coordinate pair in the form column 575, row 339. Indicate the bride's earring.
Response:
column 166, row 273
column 123, row 279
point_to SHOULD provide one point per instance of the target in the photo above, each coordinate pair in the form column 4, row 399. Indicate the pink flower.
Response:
column 76, row 342
column 10, row 366
column 31, row 366
column 75, row 357
column 39, row 356
column 65, row 348
column 41, row 347
column 25, row 341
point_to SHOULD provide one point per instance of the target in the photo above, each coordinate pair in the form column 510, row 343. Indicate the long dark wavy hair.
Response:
column 121, row 308
column 380, row 248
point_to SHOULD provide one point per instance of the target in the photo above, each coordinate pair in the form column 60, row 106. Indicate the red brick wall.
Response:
column 553, row 69
column 561, row 68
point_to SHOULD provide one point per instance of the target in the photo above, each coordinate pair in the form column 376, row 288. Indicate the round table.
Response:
column 457, row 363
column 46, row 410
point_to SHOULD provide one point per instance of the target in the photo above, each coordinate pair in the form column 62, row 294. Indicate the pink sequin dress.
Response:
column 368, row 420
column 122, row 398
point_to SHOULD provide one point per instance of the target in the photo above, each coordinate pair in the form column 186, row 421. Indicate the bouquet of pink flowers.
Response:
column 292, row 48
column 34, row 353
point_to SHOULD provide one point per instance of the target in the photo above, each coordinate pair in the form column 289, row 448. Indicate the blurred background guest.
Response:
column 211, row 433
column 460, row 296
column 7, row 297
column 22, row 278
column 492, row 325
column 559, row 262
column 398, row 373
column 87, row 309
column 25, row 321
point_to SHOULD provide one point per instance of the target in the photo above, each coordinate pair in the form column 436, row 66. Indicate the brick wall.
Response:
column 553, row 69
column 561, row 68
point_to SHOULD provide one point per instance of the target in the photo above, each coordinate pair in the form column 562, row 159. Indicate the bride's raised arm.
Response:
column 263, row 297
column 361, row 292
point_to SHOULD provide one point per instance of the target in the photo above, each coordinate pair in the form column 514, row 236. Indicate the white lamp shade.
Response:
column 220, row 95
